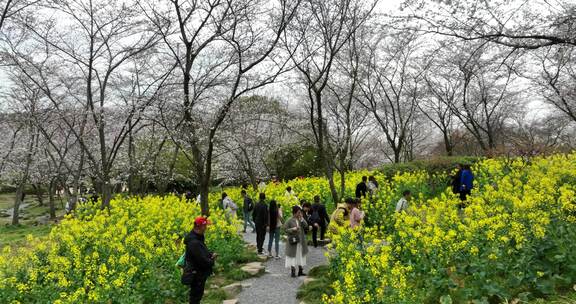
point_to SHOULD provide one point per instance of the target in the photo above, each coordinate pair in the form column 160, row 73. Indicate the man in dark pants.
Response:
column 247, row 208
column 199, row 261
column 361, row 188
column 319, row 219
column 260, row 217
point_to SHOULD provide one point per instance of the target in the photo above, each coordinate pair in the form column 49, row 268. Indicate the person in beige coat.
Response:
column 296, row 246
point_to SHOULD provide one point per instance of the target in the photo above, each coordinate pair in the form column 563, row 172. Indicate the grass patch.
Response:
column 33, row 211
column 16, row 235
column 237, row 274
column 7, row 200
column 247, row 256
column 214, row 296
column 569, row 298
column 312, row 292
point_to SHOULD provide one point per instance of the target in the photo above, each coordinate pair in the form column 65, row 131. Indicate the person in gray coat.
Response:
column 296, row 245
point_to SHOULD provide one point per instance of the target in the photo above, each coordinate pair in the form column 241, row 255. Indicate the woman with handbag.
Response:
column 296, row 246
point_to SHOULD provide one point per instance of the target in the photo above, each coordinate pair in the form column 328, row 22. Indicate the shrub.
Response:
column 126, row 254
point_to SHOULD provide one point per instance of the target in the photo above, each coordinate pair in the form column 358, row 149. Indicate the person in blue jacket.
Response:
column 466, row 182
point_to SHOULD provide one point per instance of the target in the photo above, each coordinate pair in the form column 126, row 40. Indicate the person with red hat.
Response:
column 199, row 261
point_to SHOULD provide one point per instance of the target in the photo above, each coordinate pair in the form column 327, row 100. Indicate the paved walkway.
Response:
column 276, row 286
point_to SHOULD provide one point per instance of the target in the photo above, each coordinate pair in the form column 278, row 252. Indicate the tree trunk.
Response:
column 204, row 191
column 17, row 202
column 132, row 188
column 51, row 203
column 397, row 152
column 75, row 195
column 67, row 193
column 342, row 183
column 106, row 194
column 447, row 144
column 327, row 161
column 249, row 170
column 20, row 190
column 38, row 192
column 330, row 176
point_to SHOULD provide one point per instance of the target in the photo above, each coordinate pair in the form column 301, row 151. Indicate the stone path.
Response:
column 276, row 286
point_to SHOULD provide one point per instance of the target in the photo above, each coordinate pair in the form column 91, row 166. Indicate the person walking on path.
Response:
column 260, row 217
column 361, row 188
column 296, row 247
column 229, row 206
column 356, row 216
column 402, row 204
column 199, row 261
column 319, row 220
column 275, row 222
column 466, row 183
column 247, row 210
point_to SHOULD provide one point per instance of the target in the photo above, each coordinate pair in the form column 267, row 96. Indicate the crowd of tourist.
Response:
column 266, row 217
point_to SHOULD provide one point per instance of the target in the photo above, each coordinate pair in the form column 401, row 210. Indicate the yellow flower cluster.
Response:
column 515, row 236
column 125, row 255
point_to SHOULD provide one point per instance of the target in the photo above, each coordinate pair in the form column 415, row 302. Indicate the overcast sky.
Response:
column 286, row 90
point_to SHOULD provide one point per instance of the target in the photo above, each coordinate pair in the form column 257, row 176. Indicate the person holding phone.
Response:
column 296, row 246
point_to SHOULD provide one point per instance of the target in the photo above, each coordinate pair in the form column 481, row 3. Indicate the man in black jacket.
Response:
column 199, row 261
column 361, row 188
column 319, row 220
column 260, row 217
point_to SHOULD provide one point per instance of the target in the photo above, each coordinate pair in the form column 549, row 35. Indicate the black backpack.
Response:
column 315, row 216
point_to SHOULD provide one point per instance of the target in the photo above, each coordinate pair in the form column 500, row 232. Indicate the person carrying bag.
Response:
column 296, row 247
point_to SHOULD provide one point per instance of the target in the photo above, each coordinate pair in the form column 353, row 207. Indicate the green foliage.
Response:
column 126, row 253
column 433, row 166
column 214, row 296
column 312, row 292
column 292, row 161
column 512, row 242
column 16, row 235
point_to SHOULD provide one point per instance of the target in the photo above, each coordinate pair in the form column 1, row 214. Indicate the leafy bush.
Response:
column 513, row 240
column 126, row 254
column 439, row 165
column 292, row 161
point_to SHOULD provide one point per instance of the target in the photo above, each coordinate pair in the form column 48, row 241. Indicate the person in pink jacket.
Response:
column 356, row 216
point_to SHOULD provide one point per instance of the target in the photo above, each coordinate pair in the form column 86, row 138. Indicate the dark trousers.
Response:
column 315, row 234
column 197, row 290
column 463, row 196
column 260, row 236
